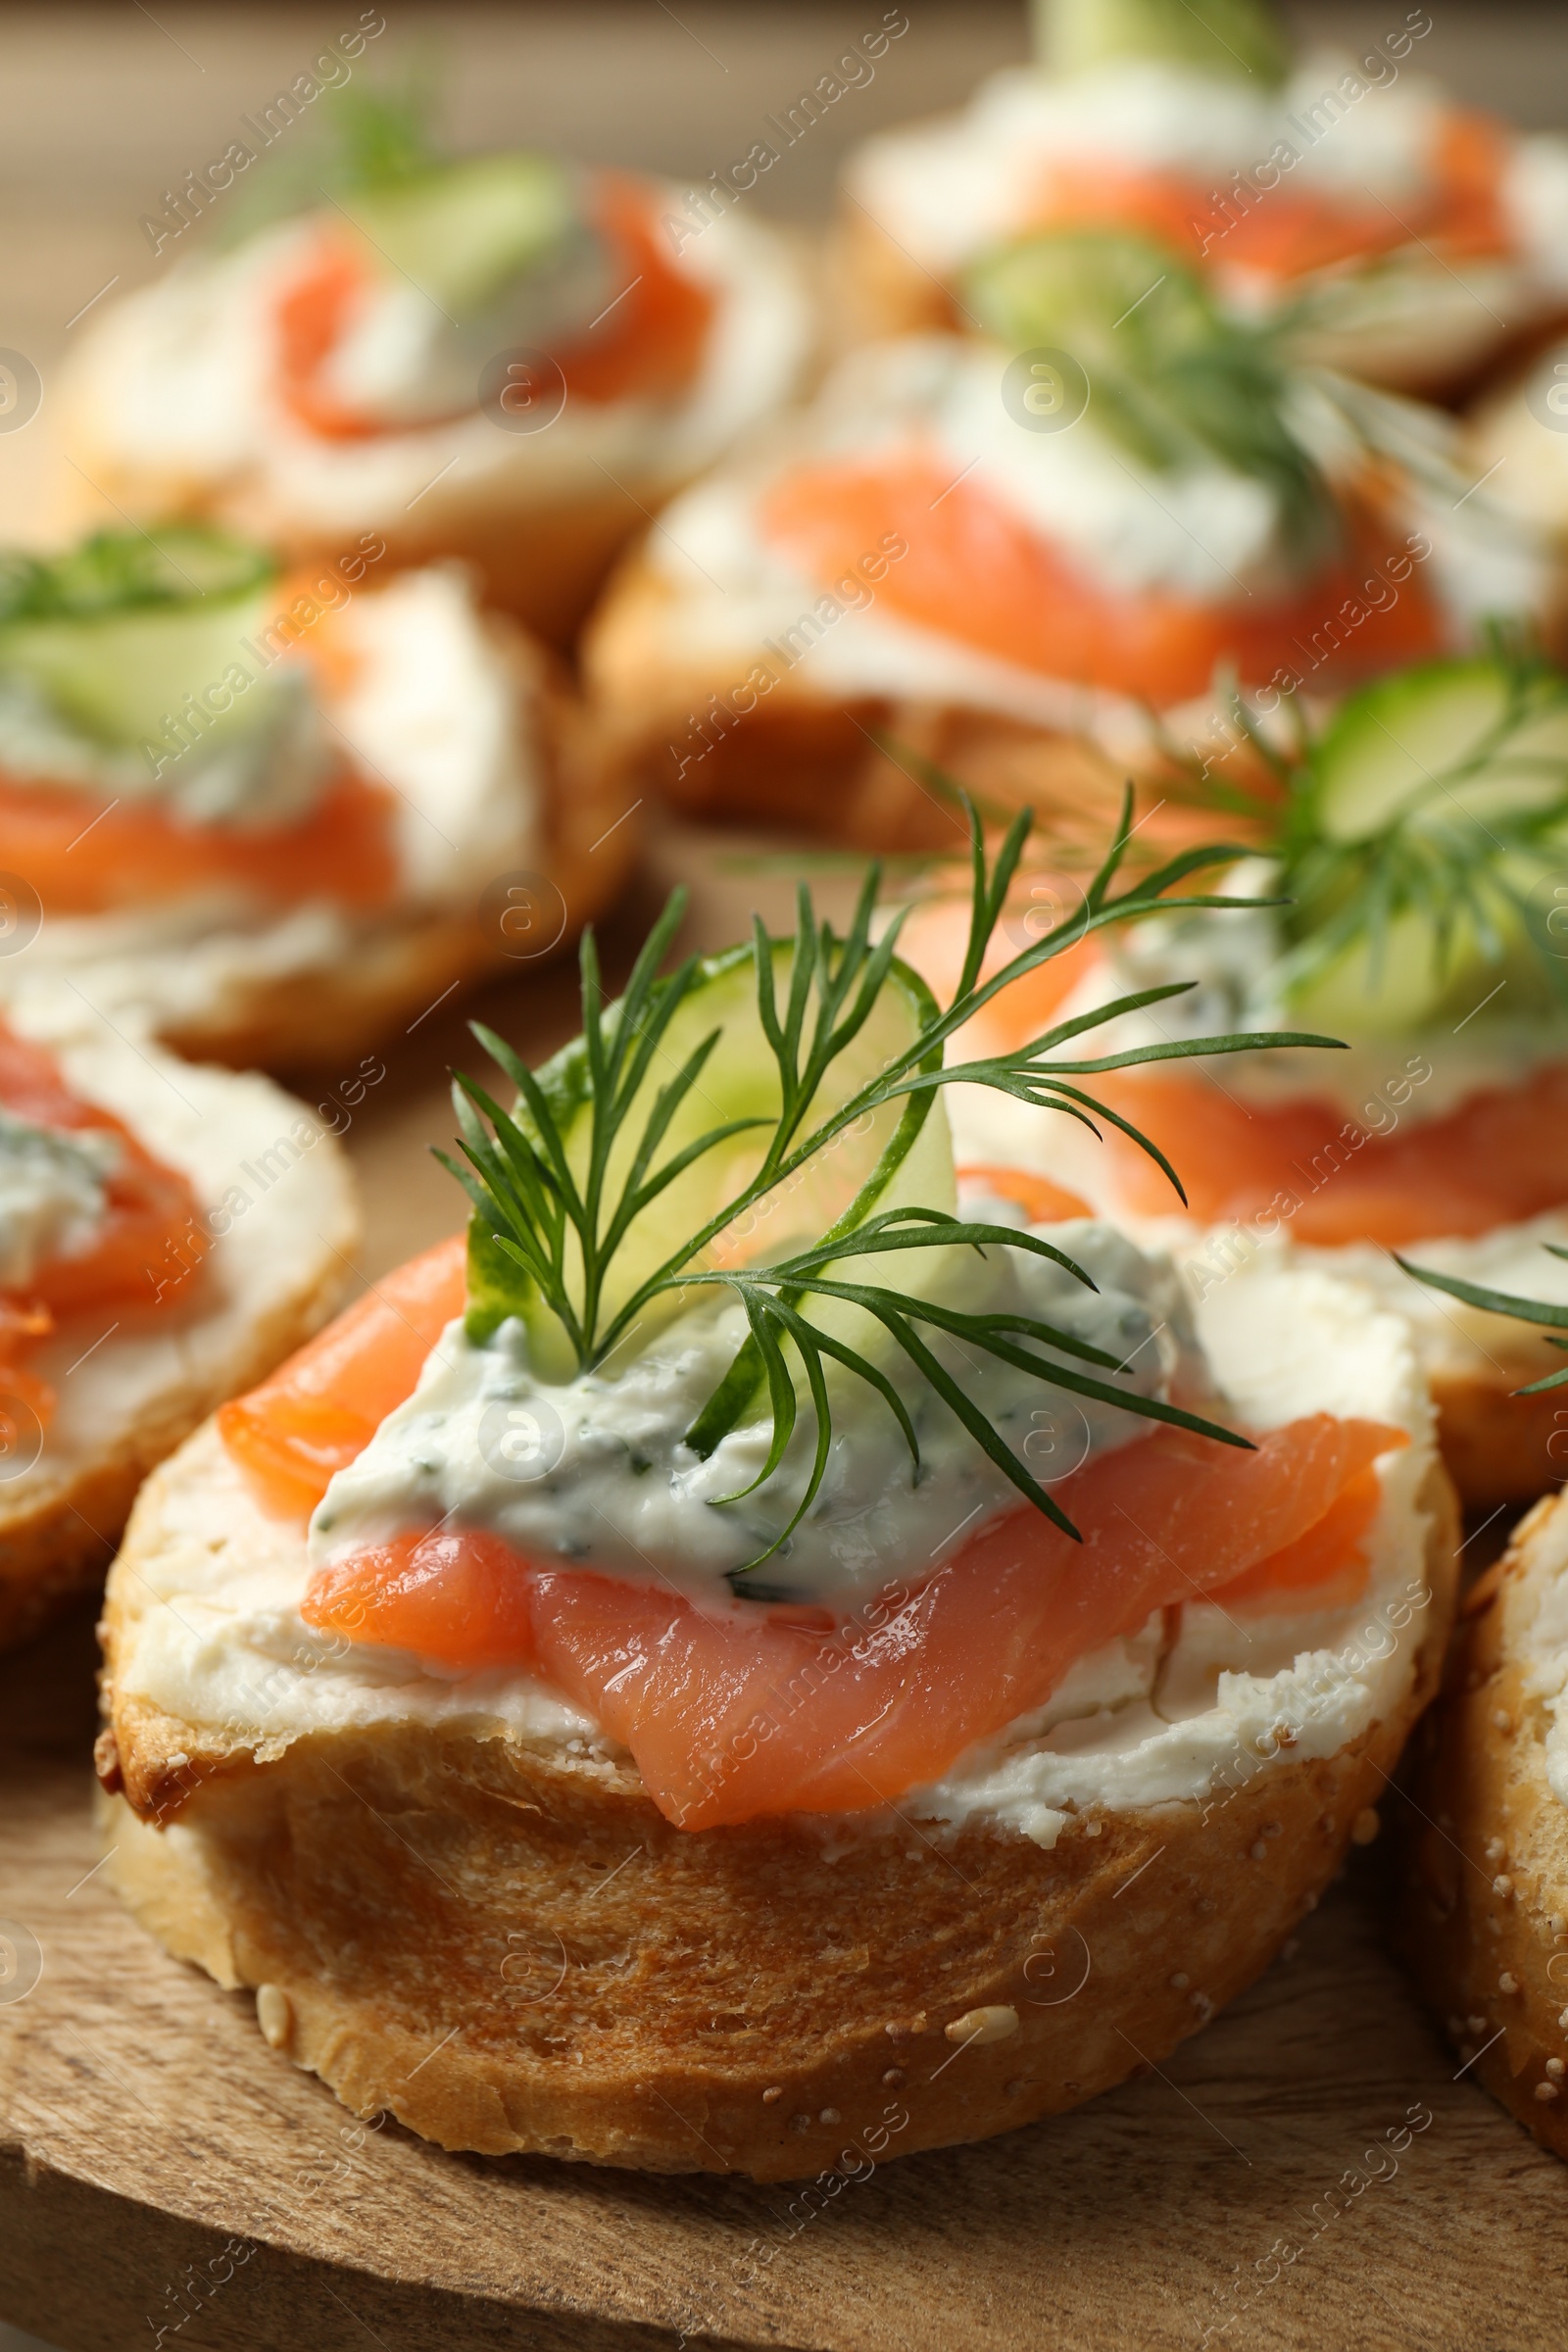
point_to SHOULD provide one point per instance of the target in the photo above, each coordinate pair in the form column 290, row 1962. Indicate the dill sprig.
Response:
column 561, row 1183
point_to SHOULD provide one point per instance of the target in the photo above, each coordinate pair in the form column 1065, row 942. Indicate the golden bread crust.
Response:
column 1483, row 1915
column 505, row 1944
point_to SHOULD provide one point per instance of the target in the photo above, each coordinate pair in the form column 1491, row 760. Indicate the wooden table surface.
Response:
column 147, row 2136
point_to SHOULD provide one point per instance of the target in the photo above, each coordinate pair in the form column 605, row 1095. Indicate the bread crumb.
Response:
column 1180, row 1980
column 992, row 2022
column 1554, row 2068
column 1494, row 1926
column 275, row 2014
column 1478, row 2024
column 775, row 2091
column 1365, row 1827
column 799, row 2123
column 1548, row 2090
column 1562, row 2020
column 905, row 2029
column 893, row 2078
column 1507, row 1982
column 1502, row 1884
column 830, row 2115
column 1257, row 1849
column 1501, row 1719
column 1497, row 1851
column 1204, row 2005
column 1092, row 1828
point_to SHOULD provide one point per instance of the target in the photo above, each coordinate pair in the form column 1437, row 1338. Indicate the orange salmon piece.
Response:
column 451, row 1599
column 1496, row 1157
column 321, row 1409
column 148, row 1207
column 83, row 859
column 1287, row 231
column 743, row 1710
column 975, row 571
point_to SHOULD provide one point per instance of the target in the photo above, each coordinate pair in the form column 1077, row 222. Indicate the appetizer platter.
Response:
column 909, row 1609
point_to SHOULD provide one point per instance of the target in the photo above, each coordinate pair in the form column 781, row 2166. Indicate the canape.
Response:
column 270, row 815
column 1026, row 556
column 1420, row 850
column 1388, row 228
column 500, row 357
column 167, row 1235
column 1484, row 1911
column 774, row 1668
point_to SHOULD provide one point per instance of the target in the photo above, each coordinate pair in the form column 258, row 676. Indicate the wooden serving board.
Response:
column 1307, row 2172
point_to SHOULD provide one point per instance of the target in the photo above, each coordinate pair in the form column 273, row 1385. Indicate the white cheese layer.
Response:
column 181, row 380
column 219, row 1642
column 278, row 1203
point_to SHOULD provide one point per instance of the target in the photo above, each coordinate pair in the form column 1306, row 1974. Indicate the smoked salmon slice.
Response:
column 1497, row 1157
column 83, row 857
column 1286, row 231
column 747, row 1710
column 322, row 1407
column 974, row 569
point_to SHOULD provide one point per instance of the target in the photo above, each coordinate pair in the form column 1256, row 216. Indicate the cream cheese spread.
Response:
column 52, row 1196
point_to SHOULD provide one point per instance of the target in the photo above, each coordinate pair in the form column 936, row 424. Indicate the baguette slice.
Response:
column 282, row 1209
column 455, row 1900
column 1482, row 1914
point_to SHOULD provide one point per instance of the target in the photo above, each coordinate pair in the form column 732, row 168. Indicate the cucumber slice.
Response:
column 462, row 231
column 1239, row 40
column 740, row 1080
column 116, row 634
column 1080, row 287
column 1471, row 736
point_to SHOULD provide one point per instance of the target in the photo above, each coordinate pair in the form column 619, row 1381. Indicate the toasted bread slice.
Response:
column 456, row 1901
column 1483, row 1911
column 279, row 1205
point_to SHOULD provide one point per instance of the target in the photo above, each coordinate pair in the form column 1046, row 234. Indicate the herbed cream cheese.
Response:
column 52, row 1196
column 596, row 1471
column 215, row 1638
